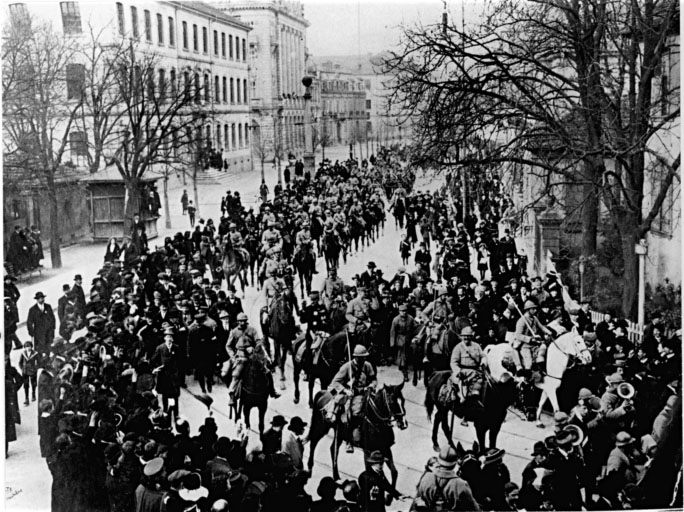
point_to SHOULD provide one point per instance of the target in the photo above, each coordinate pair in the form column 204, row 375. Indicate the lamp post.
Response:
column 309, row 159
column 641, row 250
column 581, row 276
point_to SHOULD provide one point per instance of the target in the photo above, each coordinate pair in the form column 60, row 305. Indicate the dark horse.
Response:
column 332, row 246
column 305, row 263
column 382, row 409
column 253, row 391
column 323, row 364
column 282, row 329
column 487, row 412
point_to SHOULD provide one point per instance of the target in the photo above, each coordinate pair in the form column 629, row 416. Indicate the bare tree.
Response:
column 42, row 97
column 321, row 137
column 260, row 147
column 156, row 127
column 562, row 88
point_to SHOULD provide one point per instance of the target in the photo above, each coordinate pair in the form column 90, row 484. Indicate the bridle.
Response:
column 391, row 417
column 572, row 358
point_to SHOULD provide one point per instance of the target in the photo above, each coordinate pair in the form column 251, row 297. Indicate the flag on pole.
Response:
column 569, row 303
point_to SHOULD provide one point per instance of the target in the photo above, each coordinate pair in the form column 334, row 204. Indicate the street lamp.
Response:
column 309, row 157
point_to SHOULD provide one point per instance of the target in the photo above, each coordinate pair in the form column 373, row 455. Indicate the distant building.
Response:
column 278, row 54
column 384, row 126
column 343, row 118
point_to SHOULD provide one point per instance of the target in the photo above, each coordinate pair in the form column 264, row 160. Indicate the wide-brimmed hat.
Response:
column 529, row 304
column 360, row 351
column 297, row 423
column 560, row 418
column 447, row 457
column 589, row 336
column 493, row 455
column 615, row 378
column 623, row 438
column 375, row 458
column 278, row 421
column 564, row 438
column 192, row 489
column 585, row 394
column 154, row 467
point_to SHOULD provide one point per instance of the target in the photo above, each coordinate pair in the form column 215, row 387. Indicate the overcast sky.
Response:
column 335, row 24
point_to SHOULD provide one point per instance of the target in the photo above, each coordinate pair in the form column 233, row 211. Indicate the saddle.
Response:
column 447, row 394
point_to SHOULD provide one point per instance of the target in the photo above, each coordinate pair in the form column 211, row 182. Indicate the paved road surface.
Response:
column 28, row 480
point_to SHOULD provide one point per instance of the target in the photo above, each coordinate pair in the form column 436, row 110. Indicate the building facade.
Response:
column 183, row 39
column 277, row 54
column 342, row 118
column 384, row 125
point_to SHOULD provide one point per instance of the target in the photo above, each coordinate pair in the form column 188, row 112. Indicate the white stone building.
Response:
column 278, row 54
column 184, row 37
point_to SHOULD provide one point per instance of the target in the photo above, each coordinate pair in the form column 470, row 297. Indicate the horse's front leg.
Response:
column 394, row 474
column 335, row 451
column 262, row 415
column 295, row 379
column 542, row 401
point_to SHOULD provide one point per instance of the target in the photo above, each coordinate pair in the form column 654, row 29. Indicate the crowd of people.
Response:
column 24, row 250
column 108, row 388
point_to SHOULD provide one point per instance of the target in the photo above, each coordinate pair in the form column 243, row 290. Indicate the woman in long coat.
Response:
column 13, row 382
column 113, row 251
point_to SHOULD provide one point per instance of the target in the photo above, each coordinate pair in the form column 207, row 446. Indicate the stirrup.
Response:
column 350, row 448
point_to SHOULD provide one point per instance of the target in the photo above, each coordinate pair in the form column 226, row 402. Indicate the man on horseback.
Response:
column 353, row 378
column 467, row 360
column 271, row 238
column 528, row 338
column 244, row 352
column 304, row 242
column 237, row 243
column 333, row 286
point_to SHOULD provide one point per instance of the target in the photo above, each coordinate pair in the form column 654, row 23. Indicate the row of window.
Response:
column 228, row 137
column 228, row 47
column 225, row 90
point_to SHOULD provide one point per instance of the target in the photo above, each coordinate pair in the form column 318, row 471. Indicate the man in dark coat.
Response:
column 376, row 491
column 165, row 362
column 41, row 323
column 79, row 295
column 11, row 321
column 202, row 350
column 272, row 439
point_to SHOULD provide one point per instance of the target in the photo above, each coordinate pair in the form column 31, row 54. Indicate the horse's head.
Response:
column 572, row 344
column 394, row 401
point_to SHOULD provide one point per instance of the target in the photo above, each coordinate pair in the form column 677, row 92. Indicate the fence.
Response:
column 635, row 331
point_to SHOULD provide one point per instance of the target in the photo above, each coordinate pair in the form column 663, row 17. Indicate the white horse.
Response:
column 558, row 354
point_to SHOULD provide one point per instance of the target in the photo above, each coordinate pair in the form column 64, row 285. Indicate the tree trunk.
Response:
column 590, row 211
column 55, row 249
column 167, row 209
column 132, row 206
column 323, row 150
column 630, row 277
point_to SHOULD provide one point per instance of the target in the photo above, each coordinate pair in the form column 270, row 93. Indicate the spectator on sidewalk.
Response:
column 41, row 323
column 28, row 365
column 113, row 251
column 191, row 213
column 184, row 201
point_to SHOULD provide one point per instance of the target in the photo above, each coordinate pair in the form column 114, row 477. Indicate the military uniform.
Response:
column 331, row 288
column 526, row 340
column 466, row 361
column 402, row 331
column 358, row 308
